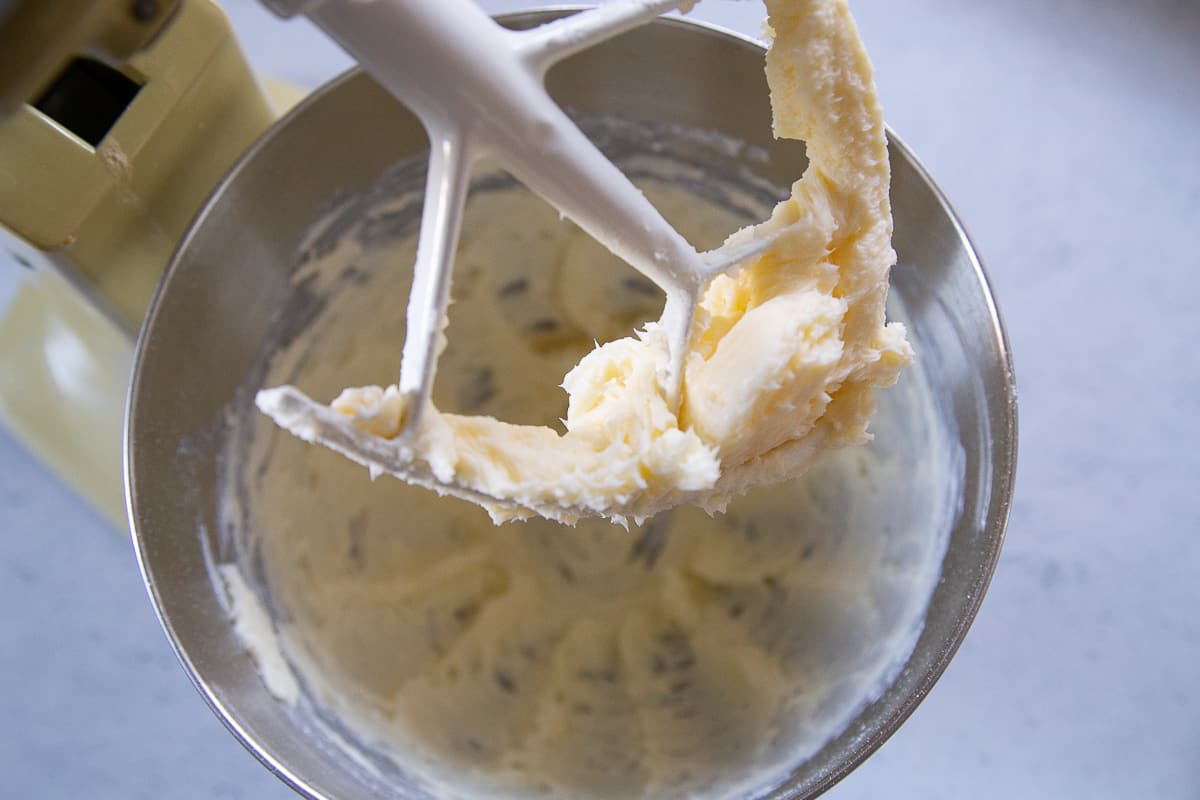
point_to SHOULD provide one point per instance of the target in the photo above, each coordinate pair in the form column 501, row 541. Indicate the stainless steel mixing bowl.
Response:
column 206, row 328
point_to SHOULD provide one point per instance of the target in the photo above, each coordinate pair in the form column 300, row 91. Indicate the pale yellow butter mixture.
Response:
column 784, row 359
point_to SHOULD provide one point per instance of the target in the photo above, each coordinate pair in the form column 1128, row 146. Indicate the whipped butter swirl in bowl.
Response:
column 372, row 639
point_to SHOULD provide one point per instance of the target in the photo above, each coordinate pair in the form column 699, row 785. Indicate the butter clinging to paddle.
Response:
column 784, row 359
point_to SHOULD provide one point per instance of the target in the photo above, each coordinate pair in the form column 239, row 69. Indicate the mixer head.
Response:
column 47, row 48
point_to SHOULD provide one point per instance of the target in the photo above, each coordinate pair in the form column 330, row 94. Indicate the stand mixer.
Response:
column 85, row 307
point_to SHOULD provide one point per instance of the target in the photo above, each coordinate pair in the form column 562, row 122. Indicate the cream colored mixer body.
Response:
column 119, row 119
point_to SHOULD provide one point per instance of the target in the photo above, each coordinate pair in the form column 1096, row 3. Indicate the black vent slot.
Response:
column 88, row 98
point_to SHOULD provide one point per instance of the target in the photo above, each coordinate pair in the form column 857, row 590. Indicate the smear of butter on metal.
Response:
column 254, row 629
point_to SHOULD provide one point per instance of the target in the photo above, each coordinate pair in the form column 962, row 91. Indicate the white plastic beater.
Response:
column 478, row 89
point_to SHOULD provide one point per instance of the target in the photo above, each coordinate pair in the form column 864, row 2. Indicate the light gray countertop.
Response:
column 1065, row 134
